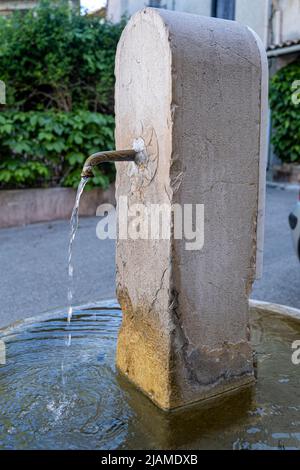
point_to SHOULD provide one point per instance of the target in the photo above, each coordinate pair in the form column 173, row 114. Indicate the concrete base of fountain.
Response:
column 198, row 101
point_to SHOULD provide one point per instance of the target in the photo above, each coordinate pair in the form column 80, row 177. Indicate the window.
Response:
column 223, row 9
column 154, row 3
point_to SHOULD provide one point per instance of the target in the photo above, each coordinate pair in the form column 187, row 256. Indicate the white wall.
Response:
column 254, row 13
column 283, row 16
column 199, row 7
column 289, row 24
column 116, row 8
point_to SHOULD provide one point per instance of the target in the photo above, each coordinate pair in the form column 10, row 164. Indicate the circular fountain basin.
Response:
column 54, row 396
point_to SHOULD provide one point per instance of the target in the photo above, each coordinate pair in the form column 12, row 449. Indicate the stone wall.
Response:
column 26, row 206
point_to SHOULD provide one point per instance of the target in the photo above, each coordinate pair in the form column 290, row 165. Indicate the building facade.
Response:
column 275, row 21
column 9, row 6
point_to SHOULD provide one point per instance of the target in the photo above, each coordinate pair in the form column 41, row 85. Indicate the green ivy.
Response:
column 286, row 113
column 49, row 148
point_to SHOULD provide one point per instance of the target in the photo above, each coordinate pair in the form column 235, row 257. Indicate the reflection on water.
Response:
column 100, row 410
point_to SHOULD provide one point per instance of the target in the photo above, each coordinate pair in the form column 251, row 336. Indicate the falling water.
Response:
column 63, row 402
column 74, row 227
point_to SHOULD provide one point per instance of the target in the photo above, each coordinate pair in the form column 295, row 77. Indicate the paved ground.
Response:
column 33, row 262
column 281, row 277
column 34, row 274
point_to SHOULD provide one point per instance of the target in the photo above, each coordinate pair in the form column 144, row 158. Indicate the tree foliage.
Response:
column 285, row 105
column 52, row 57
column 58, row 67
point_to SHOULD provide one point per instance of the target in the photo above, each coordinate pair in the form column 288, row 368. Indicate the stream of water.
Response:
column 73, row 230
column 74, row 227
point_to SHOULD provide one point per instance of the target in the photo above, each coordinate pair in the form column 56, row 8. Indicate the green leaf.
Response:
column 286, row 113
column 33, row 154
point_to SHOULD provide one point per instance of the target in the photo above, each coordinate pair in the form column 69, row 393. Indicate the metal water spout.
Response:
column 107, row 156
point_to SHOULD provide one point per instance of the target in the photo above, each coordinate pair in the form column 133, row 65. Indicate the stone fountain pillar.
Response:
column 194, row 91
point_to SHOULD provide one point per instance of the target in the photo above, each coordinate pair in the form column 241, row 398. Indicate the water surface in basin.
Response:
column 91, row 407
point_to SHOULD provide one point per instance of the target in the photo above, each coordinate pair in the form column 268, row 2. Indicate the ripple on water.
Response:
column 89, row 406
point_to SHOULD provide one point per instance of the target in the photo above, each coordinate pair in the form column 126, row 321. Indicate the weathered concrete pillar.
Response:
column 192, row 88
